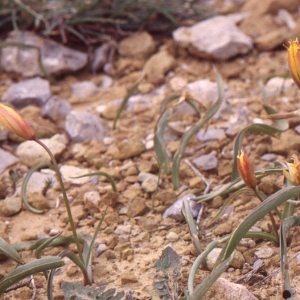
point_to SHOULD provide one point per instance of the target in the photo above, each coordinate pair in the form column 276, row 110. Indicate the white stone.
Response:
column 123, row 229
column 7, row 160
column 84, row 89
column 264, row 253
column 71, row 171
column 31, row 153
column 276, row 85
column 222, row 41
column 212, row 258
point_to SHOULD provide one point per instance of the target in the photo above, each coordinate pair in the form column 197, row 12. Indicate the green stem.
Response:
column 270, row 215
column 65, row 199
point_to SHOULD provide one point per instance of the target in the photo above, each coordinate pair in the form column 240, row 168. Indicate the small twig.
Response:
column 207, row 183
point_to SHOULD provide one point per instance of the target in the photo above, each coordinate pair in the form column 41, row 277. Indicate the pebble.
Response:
column 100, row 249
column 101, row 56
column 223, row 229
column 238, row 260
column 264, row 253
column 157, row 66
column 289, row 137
column 222, row 41
column 174, row 211
column 82, row 126
column 84, row 89
column 211, row 134
column 226, row 290
column 172, row 236
column 68, row 172
column 203, row 90
column 31, row 153
column 276, row 85
column 139, row 45
column 270, row 40
column 30, row 91
column 92, row 201
column 206, row 162
column 11, row 206
column 128, row 149
column 212, row 258
column 137, row 207
column 7, row 160
column 123, row 229
column 57, row 59
column 128, row 277
column 150, row 185
column 56, row 109
column 37, row 180
column 269, row 157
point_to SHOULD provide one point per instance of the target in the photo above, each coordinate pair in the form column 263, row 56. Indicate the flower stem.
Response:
column 63, row 190
column 270, row 215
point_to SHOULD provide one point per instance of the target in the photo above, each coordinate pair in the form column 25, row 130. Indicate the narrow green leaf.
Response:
column 253, row 128
column 44, row 245
column 9, row 251
column 28, row 269
column 194, row 129
column 258, row 213
column 206, row 284
column 107, row 176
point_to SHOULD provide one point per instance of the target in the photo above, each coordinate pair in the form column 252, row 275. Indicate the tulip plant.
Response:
column 16, row 124
column 244, row 179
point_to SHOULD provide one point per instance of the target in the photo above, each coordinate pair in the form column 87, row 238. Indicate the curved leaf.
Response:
column 28, row 269
column 258, row 213
column 193, row 130
column 9, row 251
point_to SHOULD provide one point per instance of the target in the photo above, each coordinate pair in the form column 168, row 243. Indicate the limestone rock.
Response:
column 226, row 290
column 288, row 138
column 206, row 162
column 31, row 153
column 56, row 109
column 31, row 91
column 270, row 40
column 222, row 41
column 57, row 59
column 140, row 44
column 82, row 126
column 137, row 207
column 38, row 201
column 7, row 160
column 101, row 56
column 84, row 89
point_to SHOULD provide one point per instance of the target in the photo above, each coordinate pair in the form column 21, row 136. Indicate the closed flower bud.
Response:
column 293, row 173
column 246, row 170
column 294, row 61
column 15, row 123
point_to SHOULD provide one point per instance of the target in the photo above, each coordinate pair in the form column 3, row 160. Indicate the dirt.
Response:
column 128, row 262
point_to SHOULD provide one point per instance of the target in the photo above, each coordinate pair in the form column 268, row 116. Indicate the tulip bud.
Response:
column 293, row 173
column 294, row 61
column 246, row 170
column 15, row 123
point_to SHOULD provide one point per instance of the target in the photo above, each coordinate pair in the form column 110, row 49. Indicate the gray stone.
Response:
column 84, row 89
column 222, row 41
column 206, row 162
column 37, row 182
column 56, row 109
column 57, row 59
column 31, row 153
column 101, row 56
column 100, row 249
column 11, row 206
column 91, row 201
column 211, row 134
column 269, row 157
column 203, row 90
column 276, row 85
column 212, row 257
column 7, row 160
column 83, row 126
column 264, row 253
column 174, row 211
column 31, row 91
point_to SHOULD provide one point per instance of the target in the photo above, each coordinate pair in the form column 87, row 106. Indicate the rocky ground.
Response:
column 74, row 116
